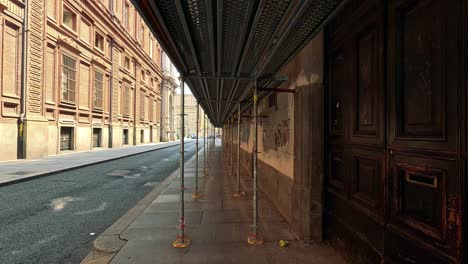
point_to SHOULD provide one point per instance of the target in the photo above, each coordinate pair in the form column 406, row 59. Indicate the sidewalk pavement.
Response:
column 21, row 170
column 218, row 225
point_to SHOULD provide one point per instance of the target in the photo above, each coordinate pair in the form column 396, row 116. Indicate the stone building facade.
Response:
column 170, row 83
column 76, row 75
column 190, row 116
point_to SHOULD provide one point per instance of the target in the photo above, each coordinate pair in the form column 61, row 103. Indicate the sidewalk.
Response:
column 21, row 170
column 218, row 225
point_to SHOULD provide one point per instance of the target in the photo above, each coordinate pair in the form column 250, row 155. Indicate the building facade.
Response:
column 76, row 75
column 170, row 83
column 190, row 128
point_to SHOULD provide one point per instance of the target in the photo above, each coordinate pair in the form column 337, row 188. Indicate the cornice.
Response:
column 69, row 43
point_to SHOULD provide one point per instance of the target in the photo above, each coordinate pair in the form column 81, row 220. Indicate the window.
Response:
column 127, row 63
column 125, row 16
column 99, row 41
column 66, row 138
column 98, row 89
column 111, row 6
column 143, row 76
column 69, row 18
column 126, row 100
column 68, row 79
column 125, row 136
column 96, row 137
column 142, row 136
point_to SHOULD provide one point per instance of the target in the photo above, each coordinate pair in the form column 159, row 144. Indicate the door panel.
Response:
column 338, row 98
column 394, row 143
column 367, row 105
column 425, row 200
column 422, row 114
column 337, row 165
column 367, row 180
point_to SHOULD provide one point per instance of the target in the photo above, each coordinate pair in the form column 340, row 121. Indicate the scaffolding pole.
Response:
column 204, row 146
column 232, row 146
column 196, row 195
column 227, row 140
column 238, row 192
column 181, row 241
column 254, row 238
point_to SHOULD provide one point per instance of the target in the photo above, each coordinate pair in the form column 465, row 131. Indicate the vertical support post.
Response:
column 207, row 141
column 204, row 146
column 227, row 138
column 181, row 241
column 238, row 192
column 232, row 145
column 196, row 195
column 253, row 238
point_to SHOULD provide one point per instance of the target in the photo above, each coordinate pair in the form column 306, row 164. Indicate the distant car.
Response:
column 193, row 136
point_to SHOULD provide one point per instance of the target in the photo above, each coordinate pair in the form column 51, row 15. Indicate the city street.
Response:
column 55, row 219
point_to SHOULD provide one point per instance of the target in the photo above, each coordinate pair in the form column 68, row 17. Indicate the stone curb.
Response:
column 109, row 242
column 40, row 175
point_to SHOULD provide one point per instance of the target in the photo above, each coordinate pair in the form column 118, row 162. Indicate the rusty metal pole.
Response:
column 232, row 146
column 181, row 241
column 253, row 238
column 226, row 136
column 196, row 195
column 204, row 147
column 227, row 139
column 206, row 140
column 238, row 193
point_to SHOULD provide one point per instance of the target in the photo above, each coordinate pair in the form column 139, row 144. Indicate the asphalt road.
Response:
column 55, row 219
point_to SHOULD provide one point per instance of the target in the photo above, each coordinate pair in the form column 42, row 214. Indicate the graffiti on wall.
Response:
column 281, row 134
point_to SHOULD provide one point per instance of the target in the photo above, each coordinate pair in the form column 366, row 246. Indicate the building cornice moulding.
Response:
column 69, row 43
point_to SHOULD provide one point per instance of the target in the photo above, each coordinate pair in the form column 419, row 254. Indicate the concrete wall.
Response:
column 290, row 139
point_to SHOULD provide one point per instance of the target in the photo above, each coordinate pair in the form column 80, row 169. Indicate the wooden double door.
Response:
column 396, row 124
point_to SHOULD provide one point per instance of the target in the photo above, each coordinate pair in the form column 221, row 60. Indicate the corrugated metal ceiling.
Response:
column 220, row 47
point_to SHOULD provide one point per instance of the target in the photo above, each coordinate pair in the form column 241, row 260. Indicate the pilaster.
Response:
column 35, row 132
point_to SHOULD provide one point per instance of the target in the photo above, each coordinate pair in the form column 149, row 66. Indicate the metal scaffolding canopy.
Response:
column 221, row 47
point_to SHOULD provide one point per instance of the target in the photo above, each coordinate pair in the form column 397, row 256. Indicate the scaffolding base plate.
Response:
column 179, row 243
column 252, row 240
